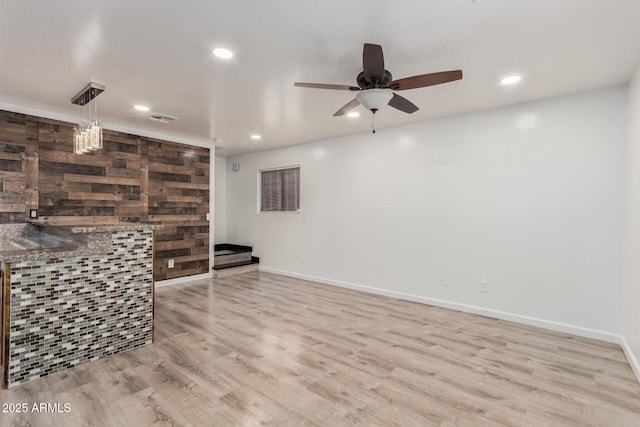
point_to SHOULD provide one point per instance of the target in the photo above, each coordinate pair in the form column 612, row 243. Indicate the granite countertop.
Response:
column 100, row 228
column 37, row 240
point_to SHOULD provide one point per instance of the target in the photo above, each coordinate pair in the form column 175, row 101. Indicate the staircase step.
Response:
column 231, row 258
column 227, row 248
column 253, row 260
column 236, row 268
column 227, row 254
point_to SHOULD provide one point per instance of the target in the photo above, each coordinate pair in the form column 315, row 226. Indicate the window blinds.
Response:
column 280, row 190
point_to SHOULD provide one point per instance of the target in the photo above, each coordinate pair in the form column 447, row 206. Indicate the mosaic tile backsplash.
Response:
column 68, row 310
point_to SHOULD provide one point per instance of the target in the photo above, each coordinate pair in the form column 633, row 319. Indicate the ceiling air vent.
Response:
column 162, row 118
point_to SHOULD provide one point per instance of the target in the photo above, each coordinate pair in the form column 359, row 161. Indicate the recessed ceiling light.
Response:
column 223, row 53
column 141, row 108
column 509, row 80
column 256, row 136
column 353, row 114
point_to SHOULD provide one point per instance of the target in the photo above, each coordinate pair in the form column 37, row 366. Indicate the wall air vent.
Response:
column 162, row 118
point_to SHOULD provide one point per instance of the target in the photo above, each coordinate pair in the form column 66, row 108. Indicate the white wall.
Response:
column 631, row 287
column 220, row 200
column 528, row 198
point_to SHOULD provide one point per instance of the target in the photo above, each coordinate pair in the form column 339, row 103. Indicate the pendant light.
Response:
column 87, row 136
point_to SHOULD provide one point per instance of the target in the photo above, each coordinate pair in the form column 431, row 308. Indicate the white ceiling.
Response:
column 158, row 53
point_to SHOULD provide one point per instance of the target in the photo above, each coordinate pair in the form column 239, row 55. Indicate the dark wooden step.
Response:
column 236, row 268
column 232, row 258
column 230, row 247
column 252, row 260
column 230, row 255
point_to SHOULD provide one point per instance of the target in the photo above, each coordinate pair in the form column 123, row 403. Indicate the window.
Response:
column 280, row 190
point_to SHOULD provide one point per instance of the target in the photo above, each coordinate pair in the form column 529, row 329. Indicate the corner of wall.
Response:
column 631, row 271
column 220, row 200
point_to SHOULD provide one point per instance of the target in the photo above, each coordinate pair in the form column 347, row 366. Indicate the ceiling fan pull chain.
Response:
column 373, row 121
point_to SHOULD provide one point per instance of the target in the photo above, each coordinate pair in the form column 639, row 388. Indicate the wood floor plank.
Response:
column 262, row 349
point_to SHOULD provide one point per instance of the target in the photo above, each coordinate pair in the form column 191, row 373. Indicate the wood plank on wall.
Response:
column 17, row 157
column 101, row 179
column 79, row 220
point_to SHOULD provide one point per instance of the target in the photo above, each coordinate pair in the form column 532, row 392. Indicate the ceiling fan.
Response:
column 376, row 85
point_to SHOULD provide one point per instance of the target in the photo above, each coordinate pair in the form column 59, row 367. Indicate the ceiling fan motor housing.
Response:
column 363, row 83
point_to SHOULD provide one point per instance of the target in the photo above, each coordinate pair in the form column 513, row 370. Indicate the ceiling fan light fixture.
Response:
column 376, row 85
column 374, row 99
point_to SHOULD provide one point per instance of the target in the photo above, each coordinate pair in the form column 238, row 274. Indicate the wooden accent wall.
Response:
column 132, row 179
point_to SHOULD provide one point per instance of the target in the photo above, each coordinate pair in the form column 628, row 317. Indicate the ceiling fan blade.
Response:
column 347, row 107
column 403, row 104
column 326, row 86
column 423, row 80
column 373, row 63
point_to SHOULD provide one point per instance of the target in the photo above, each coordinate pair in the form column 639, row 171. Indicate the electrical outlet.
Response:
column 172, row 263
column 208, row 217
column 484, row 286
column 447, row 282
column 33, row 213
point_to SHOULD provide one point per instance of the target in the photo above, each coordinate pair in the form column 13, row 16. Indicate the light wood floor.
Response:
column 261, row 349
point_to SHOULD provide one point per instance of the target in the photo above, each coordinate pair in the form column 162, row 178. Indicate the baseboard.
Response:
column 532, row 321
column 180, row 280
column 631, row 357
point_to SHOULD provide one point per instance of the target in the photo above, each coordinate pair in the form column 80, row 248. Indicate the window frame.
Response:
column 259, row 198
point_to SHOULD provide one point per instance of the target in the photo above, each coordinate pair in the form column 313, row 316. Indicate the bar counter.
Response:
column 72, row 294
